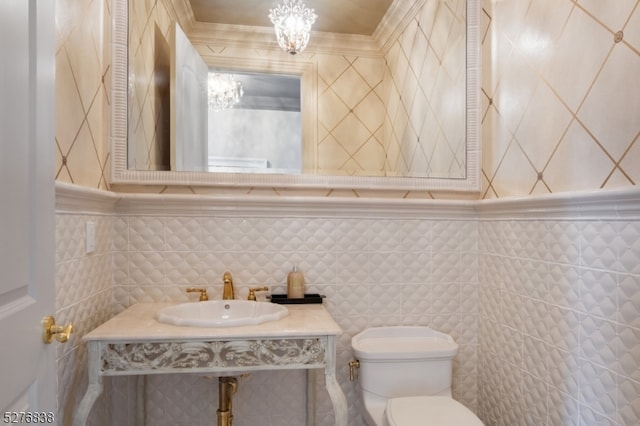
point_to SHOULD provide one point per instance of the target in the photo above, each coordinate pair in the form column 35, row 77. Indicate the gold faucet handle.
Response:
column 252, row 292
column 203, row 293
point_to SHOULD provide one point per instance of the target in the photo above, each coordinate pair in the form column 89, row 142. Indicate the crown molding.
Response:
column 394, row 22
column 239, row 36
column 183, row 13
column 263, row 38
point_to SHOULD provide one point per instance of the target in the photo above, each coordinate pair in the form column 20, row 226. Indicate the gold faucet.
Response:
column 227, row 291
column 203, row 293
column 252, row 292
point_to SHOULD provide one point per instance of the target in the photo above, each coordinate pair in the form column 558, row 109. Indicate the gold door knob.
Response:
column 50, row 329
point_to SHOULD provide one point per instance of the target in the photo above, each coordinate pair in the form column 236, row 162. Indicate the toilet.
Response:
column 405, row 375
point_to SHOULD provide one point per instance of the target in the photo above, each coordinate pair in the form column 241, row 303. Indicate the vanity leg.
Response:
column 311, row 397
column 338, row 399
column 94, row 390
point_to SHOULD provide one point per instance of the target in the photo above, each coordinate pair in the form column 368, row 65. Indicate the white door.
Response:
column 27, row 219
column 189, row 111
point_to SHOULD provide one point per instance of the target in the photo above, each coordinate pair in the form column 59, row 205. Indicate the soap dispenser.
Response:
column 295, row 284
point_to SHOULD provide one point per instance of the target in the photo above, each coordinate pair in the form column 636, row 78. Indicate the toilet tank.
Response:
column 404, row 361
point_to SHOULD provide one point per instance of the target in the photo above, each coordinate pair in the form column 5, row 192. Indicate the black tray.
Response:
column 308, row 298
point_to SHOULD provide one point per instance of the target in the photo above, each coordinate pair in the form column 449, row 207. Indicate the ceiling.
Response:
column 334, row 16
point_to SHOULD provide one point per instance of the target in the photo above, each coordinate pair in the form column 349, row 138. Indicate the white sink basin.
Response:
column 221, row 313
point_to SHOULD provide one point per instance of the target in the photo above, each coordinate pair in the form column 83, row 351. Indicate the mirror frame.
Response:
column 121, row 175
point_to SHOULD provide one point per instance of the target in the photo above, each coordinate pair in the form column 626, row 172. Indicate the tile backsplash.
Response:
column 84, row 294
column 542, row 295
column 559, row 337
column 372, row 272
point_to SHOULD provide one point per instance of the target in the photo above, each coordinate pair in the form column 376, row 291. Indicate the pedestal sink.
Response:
column 221, row 313
column 135, row 342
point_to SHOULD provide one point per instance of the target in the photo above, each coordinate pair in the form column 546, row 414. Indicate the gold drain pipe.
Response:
column 227, row 386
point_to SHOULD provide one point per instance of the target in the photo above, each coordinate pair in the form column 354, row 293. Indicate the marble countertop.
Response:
column 138, row 323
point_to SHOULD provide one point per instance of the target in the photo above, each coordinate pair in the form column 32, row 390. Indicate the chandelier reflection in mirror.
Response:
column 292, row 21
column 224, row 91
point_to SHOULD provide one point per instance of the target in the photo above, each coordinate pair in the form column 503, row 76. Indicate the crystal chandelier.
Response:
column 292, row 21
column 224, row 91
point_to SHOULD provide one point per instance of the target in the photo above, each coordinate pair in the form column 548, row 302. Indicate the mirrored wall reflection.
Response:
column 398, row 113
column 179, row 119
column 260, row 133
column 148, row 112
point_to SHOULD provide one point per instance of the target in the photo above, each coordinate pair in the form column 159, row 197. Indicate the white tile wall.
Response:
column 559, row 343
column 546, row 310
column 84, row 298
column 373, row 272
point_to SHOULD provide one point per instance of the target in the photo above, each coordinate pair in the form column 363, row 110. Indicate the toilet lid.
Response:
column 429, row 411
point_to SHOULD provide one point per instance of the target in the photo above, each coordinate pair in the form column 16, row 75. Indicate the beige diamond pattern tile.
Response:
column 331, row 67
column 584, row 44
column 370, row 157
column 633, row 37
column 515, row 90
column 613, row 17
column 351, row 87
column 631, row 162
column 351, row 133
column 516, row 172
column 82, row 162
column 370, row 111
column 331, row 109
column 610, row 109
column 399, row 67
column 539, row 142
